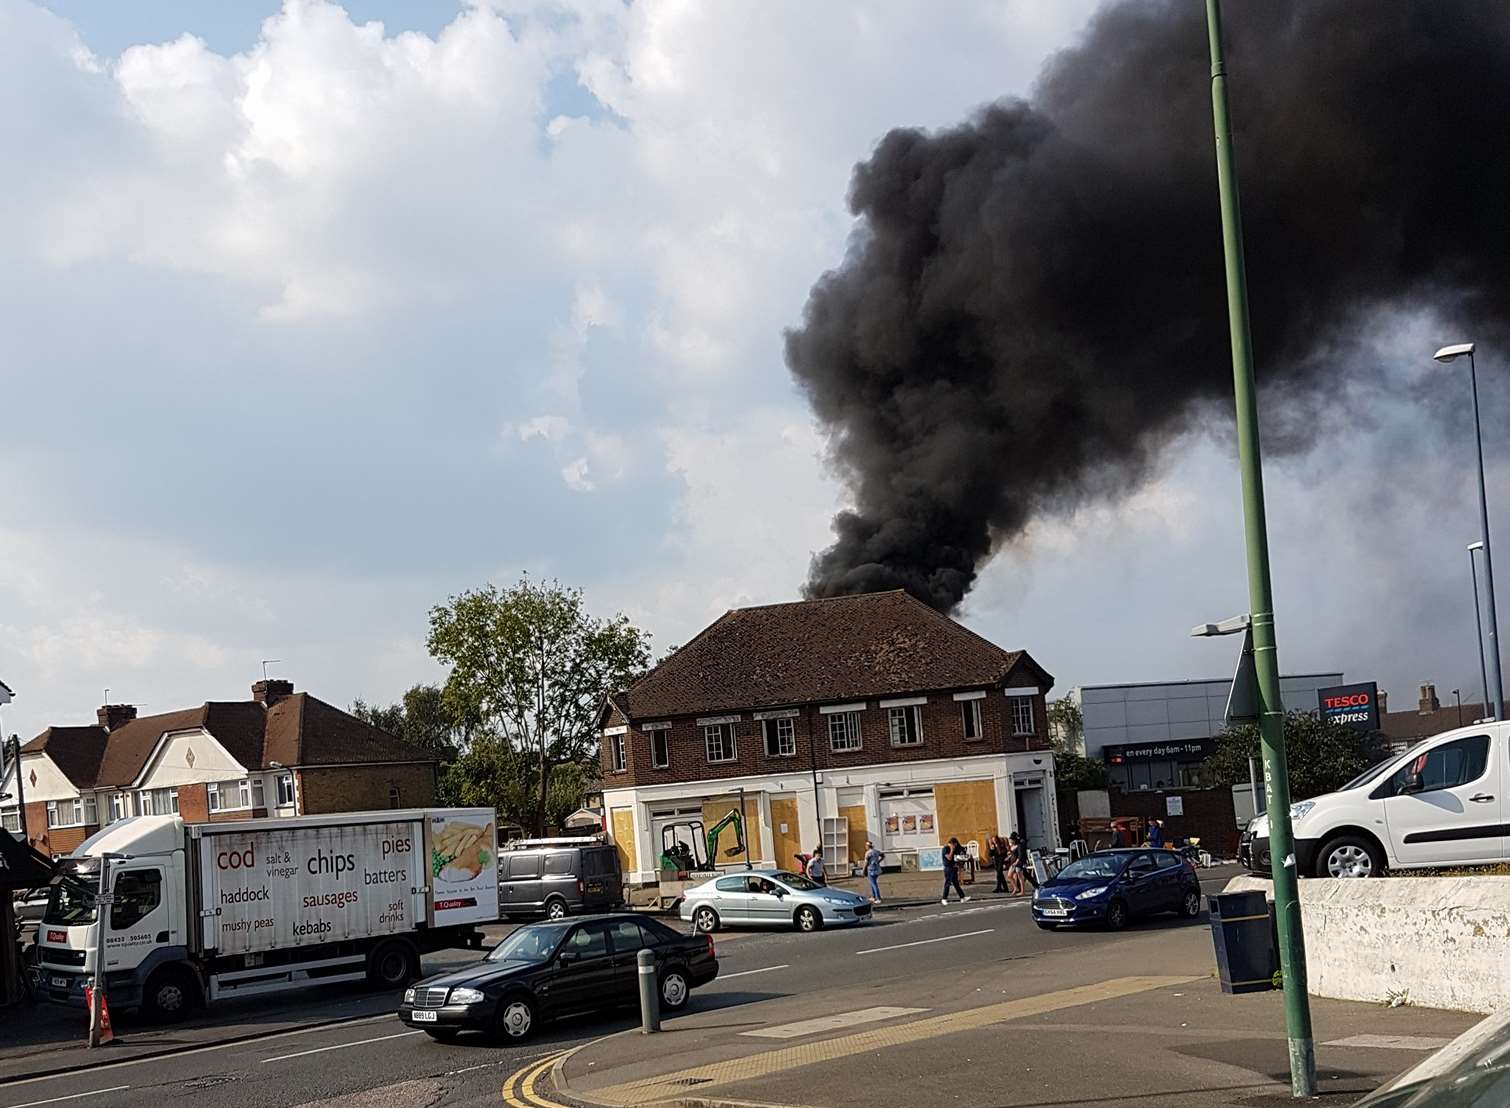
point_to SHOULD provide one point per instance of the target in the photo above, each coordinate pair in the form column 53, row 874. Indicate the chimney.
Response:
column 112, row 716
column 270, row 690
column 1428, row 702
column 1383, row 702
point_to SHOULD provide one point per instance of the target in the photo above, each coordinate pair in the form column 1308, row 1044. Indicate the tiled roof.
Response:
column 297, row 730
column 1420, row 725
column 814, row 651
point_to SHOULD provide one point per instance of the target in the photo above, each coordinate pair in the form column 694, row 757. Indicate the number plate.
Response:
column 423, row 1017
column 60, row 982
column 1056, row 911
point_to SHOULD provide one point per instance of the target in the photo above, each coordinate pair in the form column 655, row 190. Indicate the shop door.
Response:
column 1032, row 823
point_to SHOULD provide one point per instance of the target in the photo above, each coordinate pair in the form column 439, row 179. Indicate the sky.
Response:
column 315, row 316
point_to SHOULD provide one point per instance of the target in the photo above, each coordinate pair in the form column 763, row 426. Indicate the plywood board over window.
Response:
column 967, row 811
column 623, row 838
column 715, row 810
column 854, row 815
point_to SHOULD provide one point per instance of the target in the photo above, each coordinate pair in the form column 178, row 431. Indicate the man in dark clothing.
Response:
column 953, row 854
column 998, row 850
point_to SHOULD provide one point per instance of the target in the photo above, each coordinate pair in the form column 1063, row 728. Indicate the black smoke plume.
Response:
column 1033, row 303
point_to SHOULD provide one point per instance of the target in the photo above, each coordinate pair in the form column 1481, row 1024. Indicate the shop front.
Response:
column 1157, row 766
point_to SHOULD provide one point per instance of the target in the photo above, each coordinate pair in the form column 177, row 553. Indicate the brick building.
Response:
column 831, row 720
column 279, row 754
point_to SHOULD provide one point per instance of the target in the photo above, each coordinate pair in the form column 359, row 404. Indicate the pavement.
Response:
column 966, row 1004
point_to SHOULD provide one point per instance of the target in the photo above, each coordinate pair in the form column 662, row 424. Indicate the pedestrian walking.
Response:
column 1017, row 868
column 873, row 859
column 953, row 855
column 1155, row 834
column 815, row 870
column 998, row 850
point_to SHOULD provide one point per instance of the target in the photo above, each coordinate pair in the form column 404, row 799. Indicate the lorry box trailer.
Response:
column 201, row 911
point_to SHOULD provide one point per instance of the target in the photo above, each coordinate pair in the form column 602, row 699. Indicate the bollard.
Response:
column 650, row 997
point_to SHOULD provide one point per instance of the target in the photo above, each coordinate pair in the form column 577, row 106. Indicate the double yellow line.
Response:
column 519, row 1089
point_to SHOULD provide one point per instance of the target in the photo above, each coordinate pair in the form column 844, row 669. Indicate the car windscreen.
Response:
column 530, row 944
column 1095, row 868
column 69, row 904
column 796, row 881
column 1373, row 771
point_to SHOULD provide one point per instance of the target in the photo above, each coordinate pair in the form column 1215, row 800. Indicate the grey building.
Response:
column 1155, row 735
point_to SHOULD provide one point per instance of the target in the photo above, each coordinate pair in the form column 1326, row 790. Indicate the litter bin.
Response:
column 1244, row 939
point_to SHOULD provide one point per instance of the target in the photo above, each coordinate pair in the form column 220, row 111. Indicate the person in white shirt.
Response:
column 815, row 867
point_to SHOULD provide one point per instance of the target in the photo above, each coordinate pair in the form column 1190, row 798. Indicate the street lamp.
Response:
column 103, row 898
column 1457, row 694
column 1450, row 354
column 1478, row 622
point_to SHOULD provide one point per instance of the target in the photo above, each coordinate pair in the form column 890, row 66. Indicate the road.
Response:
column 377, row 1062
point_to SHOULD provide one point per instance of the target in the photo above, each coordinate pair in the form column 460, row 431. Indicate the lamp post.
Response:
column 1496, row 688
column 1457, row 694
column 1292, row 955
column 1478, row 622
column 102, row 901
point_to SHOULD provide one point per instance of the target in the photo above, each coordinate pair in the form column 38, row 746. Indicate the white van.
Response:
column 1441, row 803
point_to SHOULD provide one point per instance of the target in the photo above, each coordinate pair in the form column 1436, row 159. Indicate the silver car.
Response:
column 766, row 898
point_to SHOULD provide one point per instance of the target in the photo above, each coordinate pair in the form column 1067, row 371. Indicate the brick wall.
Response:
column 1209, row 815
column 194, row 803
column 943, row 737
column 365, row 788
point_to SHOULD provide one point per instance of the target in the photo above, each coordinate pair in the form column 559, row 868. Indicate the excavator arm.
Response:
column 735, row 820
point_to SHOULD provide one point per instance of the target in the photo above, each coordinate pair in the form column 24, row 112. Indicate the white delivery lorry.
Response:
column 202, row 911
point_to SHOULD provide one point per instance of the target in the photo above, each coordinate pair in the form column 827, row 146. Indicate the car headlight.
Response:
column 1091, row 894
column 1298, row 811
column 466, row 996
column 409, row 996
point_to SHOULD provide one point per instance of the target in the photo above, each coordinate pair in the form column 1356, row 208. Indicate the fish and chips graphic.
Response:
column 461, row 851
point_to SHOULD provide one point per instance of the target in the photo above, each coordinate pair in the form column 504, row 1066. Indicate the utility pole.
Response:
column 1292, row 954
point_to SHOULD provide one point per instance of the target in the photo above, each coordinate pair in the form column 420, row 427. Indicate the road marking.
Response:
column 670, row 1086
column 340, row 1046
column 832, row 1023
column 519, row 1089
column 746, row 973
column 1392, row 1042
column 158, row 1056
column 73, row 1096
column 925, row 942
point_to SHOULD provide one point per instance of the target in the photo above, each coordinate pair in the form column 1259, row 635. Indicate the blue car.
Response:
column 1114, row 886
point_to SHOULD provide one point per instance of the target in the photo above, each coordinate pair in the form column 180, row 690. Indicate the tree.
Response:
column 1322, row 756
column 533, row 668
column 1072, row 769
column 422, row 718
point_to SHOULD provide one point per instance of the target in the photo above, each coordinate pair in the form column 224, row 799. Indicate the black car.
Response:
column 1114, row 886
column 547, row 970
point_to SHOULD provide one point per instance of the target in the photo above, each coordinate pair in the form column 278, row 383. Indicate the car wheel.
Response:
column 1349, row 856
column 392, row 966
column 555, row 909
column 674, row 990
column 808, row 919
column 1116, row 915
column 1042, row 926
column 442, row 1034
column 1190, row 906
column 705, row 919
column 516, row 1019
column 169, row 995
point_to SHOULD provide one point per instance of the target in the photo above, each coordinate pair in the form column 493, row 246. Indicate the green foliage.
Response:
column 422, row 718
column 532, row 668
column 1322, row 756
column 1072, row 769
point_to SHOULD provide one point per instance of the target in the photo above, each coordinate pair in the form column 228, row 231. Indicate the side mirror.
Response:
column 1412, row 783
column 568, row 958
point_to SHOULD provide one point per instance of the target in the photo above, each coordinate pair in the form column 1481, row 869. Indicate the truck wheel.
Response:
column 392, row 966
column 1349, row 856
column 169, row 995
column 555, row 908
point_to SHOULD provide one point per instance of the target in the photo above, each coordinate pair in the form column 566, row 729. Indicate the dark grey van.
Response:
column 558, row 880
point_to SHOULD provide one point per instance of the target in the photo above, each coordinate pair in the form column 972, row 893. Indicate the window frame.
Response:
column 1388, row 790
column 913, row 712
column 7, row 815
column 1018, row 732
column 972, row 717
column 116, row 898
column 852, row 733
column 661, row 736
column 76, row 803
column 720, row 731
column 618, row 753
column 293, row 797
column 215, row 795
column 790, row 726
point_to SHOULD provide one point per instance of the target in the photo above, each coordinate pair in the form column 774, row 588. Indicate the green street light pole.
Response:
column 1292, row 952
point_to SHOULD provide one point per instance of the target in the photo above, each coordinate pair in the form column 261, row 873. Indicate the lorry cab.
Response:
column 1441, row 803
column 144, row 919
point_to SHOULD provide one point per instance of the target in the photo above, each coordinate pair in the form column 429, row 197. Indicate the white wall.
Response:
column 170, row 766
column 1439, row 941
column 50, row 783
